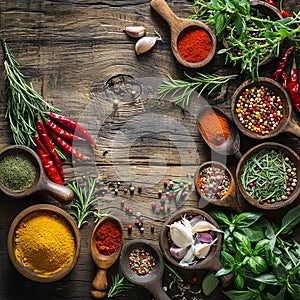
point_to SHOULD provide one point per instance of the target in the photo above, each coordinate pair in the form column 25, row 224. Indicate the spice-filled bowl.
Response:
column 215, row 185
column 193, row 43
column 191, row 240
column 262, row 109
column 43, row 243
column 22, row 174
column 142, row 264
column 267, row 176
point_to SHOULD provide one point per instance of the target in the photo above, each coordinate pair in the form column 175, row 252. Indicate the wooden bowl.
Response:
column 289, row 153
column 229, row 199
column 28, row 213
column 210, row 262
column 268, row 10
column 286, row 124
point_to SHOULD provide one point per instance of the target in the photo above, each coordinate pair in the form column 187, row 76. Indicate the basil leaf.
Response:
column 241, row 295
column 290, row 220
column 223, row 271
column 239, row 281
column 254, row 233
column 252, row 265
column 210, row 282
column 243, row 242
column 246, row 219
column 267, row 279
column 227, row 258
column 261, row 264
column 220, row 217
column 294, row 290
column 220, row 23
column 279, row 296
column 269, row 231
column 261, row 246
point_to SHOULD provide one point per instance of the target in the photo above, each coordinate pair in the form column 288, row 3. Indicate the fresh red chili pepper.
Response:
column 271, row 2
column 282, row 63
column 284, row 77
column 293, row 86
column 49, row 146
column 284, row 13
column 72, row 125
column 65, row 146
column 63, row 133
column 47, row 162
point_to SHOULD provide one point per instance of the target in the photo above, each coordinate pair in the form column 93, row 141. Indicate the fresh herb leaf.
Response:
column 119, row 286
column 209, row 284
column 290, row 220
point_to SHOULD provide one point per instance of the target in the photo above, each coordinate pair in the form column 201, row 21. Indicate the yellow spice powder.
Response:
column 44, row 243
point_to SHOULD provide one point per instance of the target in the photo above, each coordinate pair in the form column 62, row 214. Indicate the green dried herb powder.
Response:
column 17, row 172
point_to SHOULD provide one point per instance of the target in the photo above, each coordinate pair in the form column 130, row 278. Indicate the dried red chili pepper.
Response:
column 282, row 63
column 293, row 86
column 284, row 77
column 49, row 146
column 65, row 146
column 72, row 125
column 271, row 2
column 284, row 13
column 63, row 133
column 47, row 162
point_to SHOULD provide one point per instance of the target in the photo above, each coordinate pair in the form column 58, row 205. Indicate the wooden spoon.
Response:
column 102, row 261
column 41, row 183
column 177, row 26
column 151, row 281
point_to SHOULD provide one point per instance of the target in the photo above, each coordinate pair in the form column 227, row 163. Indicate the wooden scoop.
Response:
column 41, row 183
column 103, row 262
column 177, row 26
column 152, row 281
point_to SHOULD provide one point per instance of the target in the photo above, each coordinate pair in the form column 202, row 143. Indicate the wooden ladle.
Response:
column 102, row 261
column 151, row 281
column 41, row 183
column 177, row 27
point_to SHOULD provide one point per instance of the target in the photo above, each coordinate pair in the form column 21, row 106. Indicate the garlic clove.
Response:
column 195, row 219
column 202, row 226
column 178, row 253
column 204, row 237
column 144, row 44
column 202, row 249
column 135, row 31
column 189, row 258
column 181, row 234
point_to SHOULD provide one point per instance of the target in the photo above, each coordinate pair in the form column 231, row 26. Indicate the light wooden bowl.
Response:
column 27, row 213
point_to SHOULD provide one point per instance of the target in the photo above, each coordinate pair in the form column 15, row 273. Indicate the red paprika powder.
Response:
column 194, row 44
column 108, row 238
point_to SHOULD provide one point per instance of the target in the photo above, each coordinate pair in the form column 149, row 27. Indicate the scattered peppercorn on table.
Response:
column 78, row 58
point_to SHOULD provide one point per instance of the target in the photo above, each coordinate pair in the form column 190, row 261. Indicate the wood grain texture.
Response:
column 78, row 58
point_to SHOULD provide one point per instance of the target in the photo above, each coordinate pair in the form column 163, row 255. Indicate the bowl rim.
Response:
column 212, row 255
column 255, row 202
column 51, row 209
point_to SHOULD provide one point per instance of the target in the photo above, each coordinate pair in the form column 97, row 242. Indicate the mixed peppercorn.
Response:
column 141, row 261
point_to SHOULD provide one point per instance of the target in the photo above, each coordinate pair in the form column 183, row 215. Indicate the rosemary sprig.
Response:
column 176, row 277
column 181, row 90
column 119, row 286
column 84, row 204
column 99, row 215
column 23, row 102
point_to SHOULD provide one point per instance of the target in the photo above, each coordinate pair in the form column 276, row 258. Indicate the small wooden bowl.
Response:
column 211, row 262
column 28, row 213
column 289, row 153
column 229, row 199
column 286, row 124
column 268, row 10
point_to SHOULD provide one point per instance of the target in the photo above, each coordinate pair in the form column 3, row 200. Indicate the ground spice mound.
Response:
column 44, row 244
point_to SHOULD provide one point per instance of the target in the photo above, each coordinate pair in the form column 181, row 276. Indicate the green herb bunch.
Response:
column 119, row 286
column 263, row 257
column 251, row 37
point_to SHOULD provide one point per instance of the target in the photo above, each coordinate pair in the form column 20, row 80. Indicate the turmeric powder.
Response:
column 44, row 243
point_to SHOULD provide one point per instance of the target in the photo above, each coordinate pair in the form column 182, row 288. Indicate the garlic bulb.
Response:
column 202, row 226
column 201, row 250
column 135, row 31
column 181, row 233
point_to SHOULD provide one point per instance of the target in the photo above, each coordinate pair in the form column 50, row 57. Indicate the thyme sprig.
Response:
column 182, row 90
column 86, row 199
column 23, row 102
column 119, row 286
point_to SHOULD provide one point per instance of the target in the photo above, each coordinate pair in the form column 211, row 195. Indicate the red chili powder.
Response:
column 194, row 44
column 108, row 238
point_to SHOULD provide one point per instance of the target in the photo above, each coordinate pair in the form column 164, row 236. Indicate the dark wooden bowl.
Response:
column 268, row 10
column 289, row 153
column 27, row 213
column 212, row 260
column 229, row 199
column 287, row 123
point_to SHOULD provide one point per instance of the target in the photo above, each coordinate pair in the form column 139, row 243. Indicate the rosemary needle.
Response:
column 119, row 286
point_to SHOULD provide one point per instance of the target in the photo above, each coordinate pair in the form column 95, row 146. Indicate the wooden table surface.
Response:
column 79, row 59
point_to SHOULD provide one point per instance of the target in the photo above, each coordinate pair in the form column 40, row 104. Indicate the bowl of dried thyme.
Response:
column 43, row 243
column 267, row 176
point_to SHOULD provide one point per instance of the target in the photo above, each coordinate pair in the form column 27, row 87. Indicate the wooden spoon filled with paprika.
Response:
column 106, row 244
column 193, row 43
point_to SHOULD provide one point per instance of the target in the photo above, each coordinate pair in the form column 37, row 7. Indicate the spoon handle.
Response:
column 159, row 294
column 61, row 193
column 100, row 281
column 163, row 9
column 293, row 128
